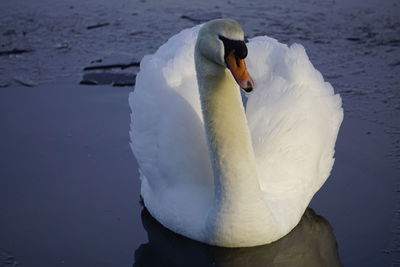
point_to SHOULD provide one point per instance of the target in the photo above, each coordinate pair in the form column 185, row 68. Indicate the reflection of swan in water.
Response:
column 310, row 243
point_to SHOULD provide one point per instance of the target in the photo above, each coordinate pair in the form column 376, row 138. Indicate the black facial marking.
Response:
column 239, row 47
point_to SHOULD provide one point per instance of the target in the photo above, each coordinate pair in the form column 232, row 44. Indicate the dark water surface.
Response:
column 69, row 187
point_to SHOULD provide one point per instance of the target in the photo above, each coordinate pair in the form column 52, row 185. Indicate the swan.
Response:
column 218, row 172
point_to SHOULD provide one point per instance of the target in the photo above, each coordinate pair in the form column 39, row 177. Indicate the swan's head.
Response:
column 221, row 41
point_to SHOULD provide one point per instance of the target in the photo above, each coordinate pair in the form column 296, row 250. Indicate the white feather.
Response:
column 293, row 116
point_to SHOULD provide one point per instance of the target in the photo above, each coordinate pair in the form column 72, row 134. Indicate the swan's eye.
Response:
column 237, row 60
column 238, row 46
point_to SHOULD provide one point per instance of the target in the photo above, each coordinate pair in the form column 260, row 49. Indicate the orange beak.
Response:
column 237, row 66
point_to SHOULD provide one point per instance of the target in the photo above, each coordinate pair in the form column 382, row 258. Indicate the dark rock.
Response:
column 96, row 61
column 14, row 51
column 113, row 66
column 103, row 78
column 121, row 84
column 113, row 61
column 114, row 69
column 353, row 39
column 199, row 17
column 90, row 27
column 88, row 82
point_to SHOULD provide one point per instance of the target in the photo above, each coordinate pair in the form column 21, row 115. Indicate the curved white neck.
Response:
column 232, row 155
column 239, row 213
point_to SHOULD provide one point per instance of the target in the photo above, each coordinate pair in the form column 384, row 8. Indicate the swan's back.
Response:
column 293, row 117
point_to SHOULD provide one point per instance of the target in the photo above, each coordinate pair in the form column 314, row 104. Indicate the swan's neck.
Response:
column 239, row 213
column 232, row 155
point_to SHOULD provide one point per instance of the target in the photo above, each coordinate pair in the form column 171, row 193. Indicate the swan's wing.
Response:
column 294, row 117
column 167, row 134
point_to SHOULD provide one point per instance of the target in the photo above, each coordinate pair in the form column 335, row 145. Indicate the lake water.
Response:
column 69, row 187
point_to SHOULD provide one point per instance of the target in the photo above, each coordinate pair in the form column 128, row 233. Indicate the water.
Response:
column 69, row 187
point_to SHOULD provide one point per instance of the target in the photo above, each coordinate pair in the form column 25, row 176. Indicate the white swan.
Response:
column 212, row 171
